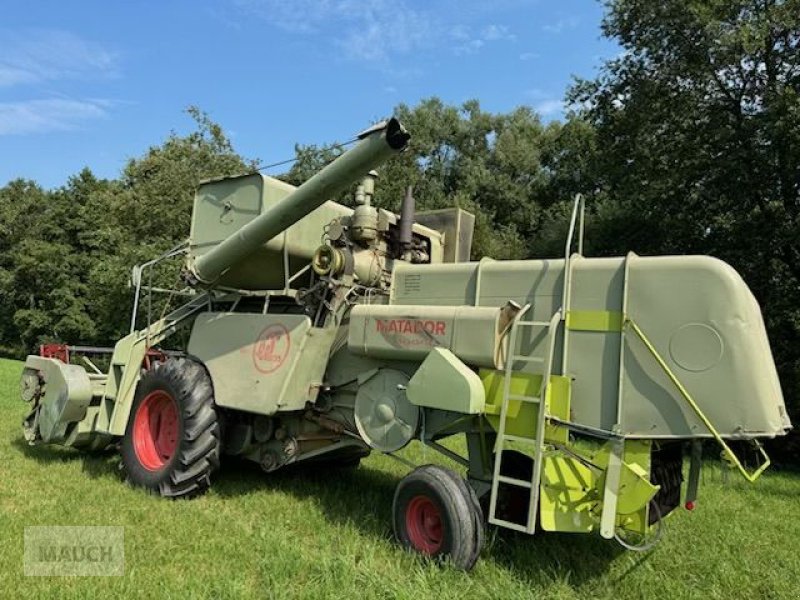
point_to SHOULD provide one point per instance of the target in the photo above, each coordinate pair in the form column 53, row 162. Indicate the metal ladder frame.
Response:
column 538, row 442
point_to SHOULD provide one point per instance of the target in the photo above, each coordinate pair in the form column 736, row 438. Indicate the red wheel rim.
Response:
column 424, row 525
column 155, row 430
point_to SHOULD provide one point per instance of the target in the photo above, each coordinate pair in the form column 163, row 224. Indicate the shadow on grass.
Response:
column 97, row 465
column 363, row 498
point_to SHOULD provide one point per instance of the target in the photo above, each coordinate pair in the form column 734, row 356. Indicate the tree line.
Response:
column 687, row 142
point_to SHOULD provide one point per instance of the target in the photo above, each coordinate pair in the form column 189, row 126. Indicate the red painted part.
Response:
column 689, row 505
column 424, row 525
column 153, row 355
column 57, row 351
column 155, row 430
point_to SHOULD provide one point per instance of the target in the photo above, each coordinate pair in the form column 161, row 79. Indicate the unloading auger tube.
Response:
column 376, row 145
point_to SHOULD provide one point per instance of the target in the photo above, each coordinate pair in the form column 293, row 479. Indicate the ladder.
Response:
column 537, row 442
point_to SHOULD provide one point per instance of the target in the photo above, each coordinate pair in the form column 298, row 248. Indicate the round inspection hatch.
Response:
column 385, row 417
column 696, row 347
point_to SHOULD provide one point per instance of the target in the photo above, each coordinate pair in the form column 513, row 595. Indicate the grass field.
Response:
column 328, row 535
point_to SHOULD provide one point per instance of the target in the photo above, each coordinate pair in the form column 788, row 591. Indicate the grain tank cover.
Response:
column 374, row 147
column 224, row 206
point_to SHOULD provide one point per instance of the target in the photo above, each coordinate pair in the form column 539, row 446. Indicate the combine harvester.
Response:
column 320, row 333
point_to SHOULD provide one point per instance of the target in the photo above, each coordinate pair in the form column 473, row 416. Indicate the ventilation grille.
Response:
column 412, row 284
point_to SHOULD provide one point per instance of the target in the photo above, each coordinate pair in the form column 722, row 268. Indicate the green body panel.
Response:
column 124, row 375
column 261, row 363
column 685, row 304
column 456, row 225
column 444, row 382
column 66, row 396
column 410, row 332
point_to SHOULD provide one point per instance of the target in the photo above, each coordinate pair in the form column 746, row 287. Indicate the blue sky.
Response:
column 94, row 83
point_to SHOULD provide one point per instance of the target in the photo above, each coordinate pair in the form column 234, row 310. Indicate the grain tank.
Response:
column 318, row 332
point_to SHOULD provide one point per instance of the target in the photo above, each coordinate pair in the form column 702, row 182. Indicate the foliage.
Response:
column 66, row 255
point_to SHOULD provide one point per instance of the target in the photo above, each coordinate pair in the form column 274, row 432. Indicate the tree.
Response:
column 699, row 122
column 66, row 255
column 498, row 166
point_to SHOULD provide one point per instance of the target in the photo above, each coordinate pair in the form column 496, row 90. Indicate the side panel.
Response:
column 261, row 363
column 696, row 310
column 706, row 325
column 398, row 332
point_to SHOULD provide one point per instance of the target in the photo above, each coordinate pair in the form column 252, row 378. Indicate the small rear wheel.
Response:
column 172, row 442
column 437, row 514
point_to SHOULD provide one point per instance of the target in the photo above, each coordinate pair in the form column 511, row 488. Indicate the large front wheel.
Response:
column 172, row 442
column 437, row 514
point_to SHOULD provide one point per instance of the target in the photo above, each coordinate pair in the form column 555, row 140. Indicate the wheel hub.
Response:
column 155, row 430
column 424, row 525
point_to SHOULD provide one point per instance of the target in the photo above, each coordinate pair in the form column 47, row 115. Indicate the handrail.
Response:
column 578, row 210
column 728, row 454
column 137, row 273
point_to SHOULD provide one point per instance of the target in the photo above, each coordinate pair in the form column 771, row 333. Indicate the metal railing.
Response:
column 137, row 274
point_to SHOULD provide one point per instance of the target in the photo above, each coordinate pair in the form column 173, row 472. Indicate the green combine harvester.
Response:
column 319, row 333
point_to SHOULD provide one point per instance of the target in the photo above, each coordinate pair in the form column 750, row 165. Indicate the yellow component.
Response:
column 594, row 320
column 522, row 384
column 558, row 403
column 635, row 489
column 522, row 417
column 569, row 493
column 328, row 261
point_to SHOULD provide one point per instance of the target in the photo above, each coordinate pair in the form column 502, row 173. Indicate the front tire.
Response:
column 172, row 443
column 437, row 514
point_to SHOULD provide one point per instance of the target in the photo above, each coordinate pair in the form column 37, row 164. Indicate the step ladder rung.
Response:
column 521, row 398
column 526, row 358
column 509, row 525
column 533, row 323
column 537, row 443
column 519, row 438
column 514, row 481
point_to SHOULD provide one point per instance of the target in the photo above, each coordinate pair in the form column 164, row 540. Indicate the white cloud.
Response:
column 368, row 30
column 468, row 43
column 549, row 107
column 375, row 31
column 563, row 24
column 497, row 32
column 47, row 115
column 41, row 55
column 35, row 57
column 528, row 56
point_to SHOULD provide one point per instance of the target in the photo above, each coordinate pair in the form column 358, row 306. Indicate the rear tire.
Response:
column 172, row 443
column 437, row 514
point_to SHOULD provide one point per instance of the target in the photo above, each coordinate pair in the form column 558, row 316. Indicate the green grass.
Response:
column 281, row 535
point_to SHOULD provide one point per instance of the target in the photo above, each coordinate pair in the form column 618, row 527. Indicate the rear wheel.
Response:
column 172, row 442
column 437, row 514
